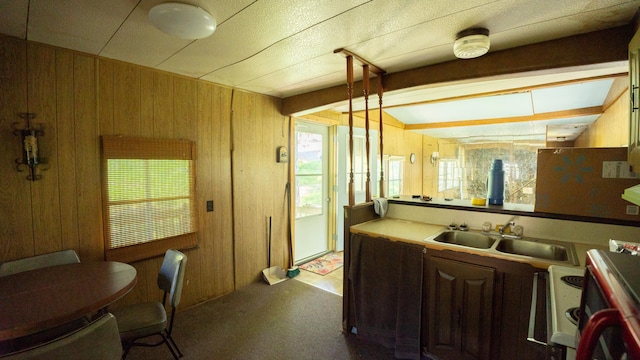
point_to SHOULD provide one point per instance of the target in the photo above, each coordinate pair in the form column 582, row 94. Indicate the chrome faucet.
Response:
column 510, row 225
column 502, row 229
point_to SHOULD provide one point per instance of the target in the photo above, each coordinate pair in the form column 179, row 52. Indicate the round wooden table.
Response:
column 40, row 299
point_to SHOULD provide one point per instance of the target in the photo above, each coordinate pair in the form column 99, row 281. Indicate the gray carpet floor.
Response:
column 289, row 320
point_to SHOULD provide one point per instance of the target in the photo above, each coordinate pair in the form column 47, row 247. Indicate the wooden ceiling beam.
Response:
column 595, row 110
column 598, row 47
column 372, row 68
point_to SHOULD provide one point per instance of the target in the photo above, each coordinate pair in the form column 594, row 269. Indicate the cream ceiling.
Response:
column 285, row 47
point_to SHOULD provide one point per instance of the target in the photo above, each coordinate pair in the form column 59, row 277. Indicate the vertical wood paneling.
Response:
column 279, row 129
column 204, row 188
column 45, row 192
column 66, row 164
column 163, row 105
column 256, row 186
column 413, row 172
column 429, row 170
column 87, row 131
column 84, row 97
column 105, row 97
column 126, row 100
column 248, row 222
column 16, row 221
column 185, row 107
column 185, row 126
column 146, row 100
column 214, row 170
column 611, row 129
column 222, row 185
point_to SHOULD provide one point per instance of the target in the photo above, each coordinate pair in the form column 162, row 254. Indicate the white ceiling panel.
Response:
column 252, row 31
column 285, row 47
column 81, row 25
column 574, row 96
column 519, row 131
column 139, row 42
column 314, row 71
column 500, row 106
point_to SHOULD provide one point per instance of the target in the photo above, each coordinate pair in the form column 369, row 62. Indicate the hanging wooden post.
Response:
column 380, row 91
column 365, row 90
column 352, row 196
column 366, row 68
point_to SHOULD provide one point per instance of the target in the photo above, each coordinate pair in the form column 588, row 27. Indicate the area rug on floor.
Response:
column 324, row 264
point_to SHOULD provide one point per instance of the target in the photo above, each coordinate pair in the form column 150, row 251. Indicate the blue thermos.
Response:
column 495, row 183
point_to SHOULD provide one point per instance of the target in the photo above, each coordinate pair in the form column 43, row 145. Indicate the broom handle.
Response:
column 289, row 225
column 269, row 241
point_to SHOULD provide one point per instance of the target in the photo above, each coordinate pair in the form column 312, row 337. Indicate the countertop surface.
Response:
column 420, row 233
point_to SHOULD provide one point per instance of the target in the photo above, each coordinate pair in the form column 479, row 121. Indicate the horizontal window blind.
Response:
column 149, row 196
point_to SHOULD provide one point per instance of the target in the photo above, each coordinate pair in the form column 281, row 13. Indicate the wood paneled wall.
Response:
column 78, row 97
column 429, row 170
column 259, row 184
column 611, row 129
column 400, row 142
column 397, row 142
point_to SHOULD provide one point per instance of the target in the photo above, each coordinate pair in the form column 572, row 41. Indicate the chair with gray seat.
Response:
column 99, row 339
column 40, row 261
column 139, row 321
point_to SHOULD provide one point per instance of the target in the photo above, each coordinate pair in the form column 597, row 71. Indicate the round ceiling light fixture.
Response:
column 182, row 20
column 471, row 43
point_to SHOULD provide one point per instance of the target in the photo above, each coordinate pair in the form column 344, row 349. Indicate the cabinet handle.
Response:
column 633, row 98
column 459, row 317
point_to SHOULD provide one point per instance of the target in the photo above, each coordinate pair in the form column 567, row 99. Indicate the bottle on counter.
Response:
column 495, row 183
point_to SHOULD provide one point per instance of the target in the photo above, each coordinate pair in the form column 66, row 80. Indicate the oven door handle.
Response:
column 591, row 333
column 532, row 314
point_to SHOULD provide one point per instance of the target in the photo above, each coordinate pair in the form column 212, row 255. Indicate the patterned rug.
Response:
column 324, row 264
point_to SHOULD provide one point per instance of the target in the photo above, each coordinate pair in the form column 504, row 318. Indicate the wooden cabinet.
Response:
column 459, row 299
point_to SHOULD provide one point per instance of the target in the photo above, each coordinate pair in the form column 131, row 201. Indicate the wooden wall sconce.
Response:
column 30, row 153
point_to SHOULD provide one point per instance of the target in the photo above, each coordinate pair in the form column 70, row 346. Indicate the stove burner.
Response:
column 573, row 314
column 575, row 281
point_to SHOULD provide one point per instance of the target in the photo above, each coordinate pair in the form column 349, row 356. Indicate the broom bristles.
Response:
column 293, row 272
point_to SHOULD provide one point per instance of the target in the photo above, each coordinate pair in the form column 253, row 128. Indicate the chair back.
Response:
column 171, row 275
column 36, row 262
column 99, row 339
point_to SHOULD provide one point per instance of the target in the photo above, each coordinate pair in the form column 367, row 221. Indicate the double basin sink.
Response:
column 557, row 251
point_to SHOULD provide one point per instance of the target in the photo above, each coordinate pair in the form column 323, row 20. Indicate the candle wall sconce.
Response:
column 435, row 156
column 30, row 153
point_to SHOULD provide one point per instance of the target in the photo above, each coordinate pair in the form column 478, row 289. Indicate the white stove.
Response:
column 563, row 297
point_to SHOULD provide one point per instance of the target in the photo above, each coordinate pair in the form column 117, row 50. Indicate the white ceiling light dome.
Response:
column 182, row 20
column 471, row 43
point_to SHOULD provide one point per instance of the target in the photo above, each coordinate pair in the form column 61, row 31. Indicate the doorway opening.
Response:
column 311, row 189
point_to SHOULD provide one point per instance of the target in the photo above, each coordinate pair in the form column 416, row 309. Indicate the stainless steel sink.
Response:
column 538, row 249
column 466, row 238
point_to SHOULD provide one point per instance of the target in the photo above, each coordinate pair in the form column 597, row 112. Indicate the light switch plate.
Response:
column 282, row 155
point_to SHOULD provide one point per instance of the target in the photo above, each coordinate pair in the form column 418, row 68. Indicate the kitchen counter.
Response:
column 398, row 230
column 416, row 232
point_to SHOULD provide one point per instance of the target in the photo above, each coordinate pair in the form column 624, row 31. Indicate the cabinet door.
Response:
column 460, row 309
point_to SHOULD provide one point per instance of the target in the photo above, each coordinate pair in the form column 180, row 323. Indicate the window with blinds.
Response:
column 149, row 196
